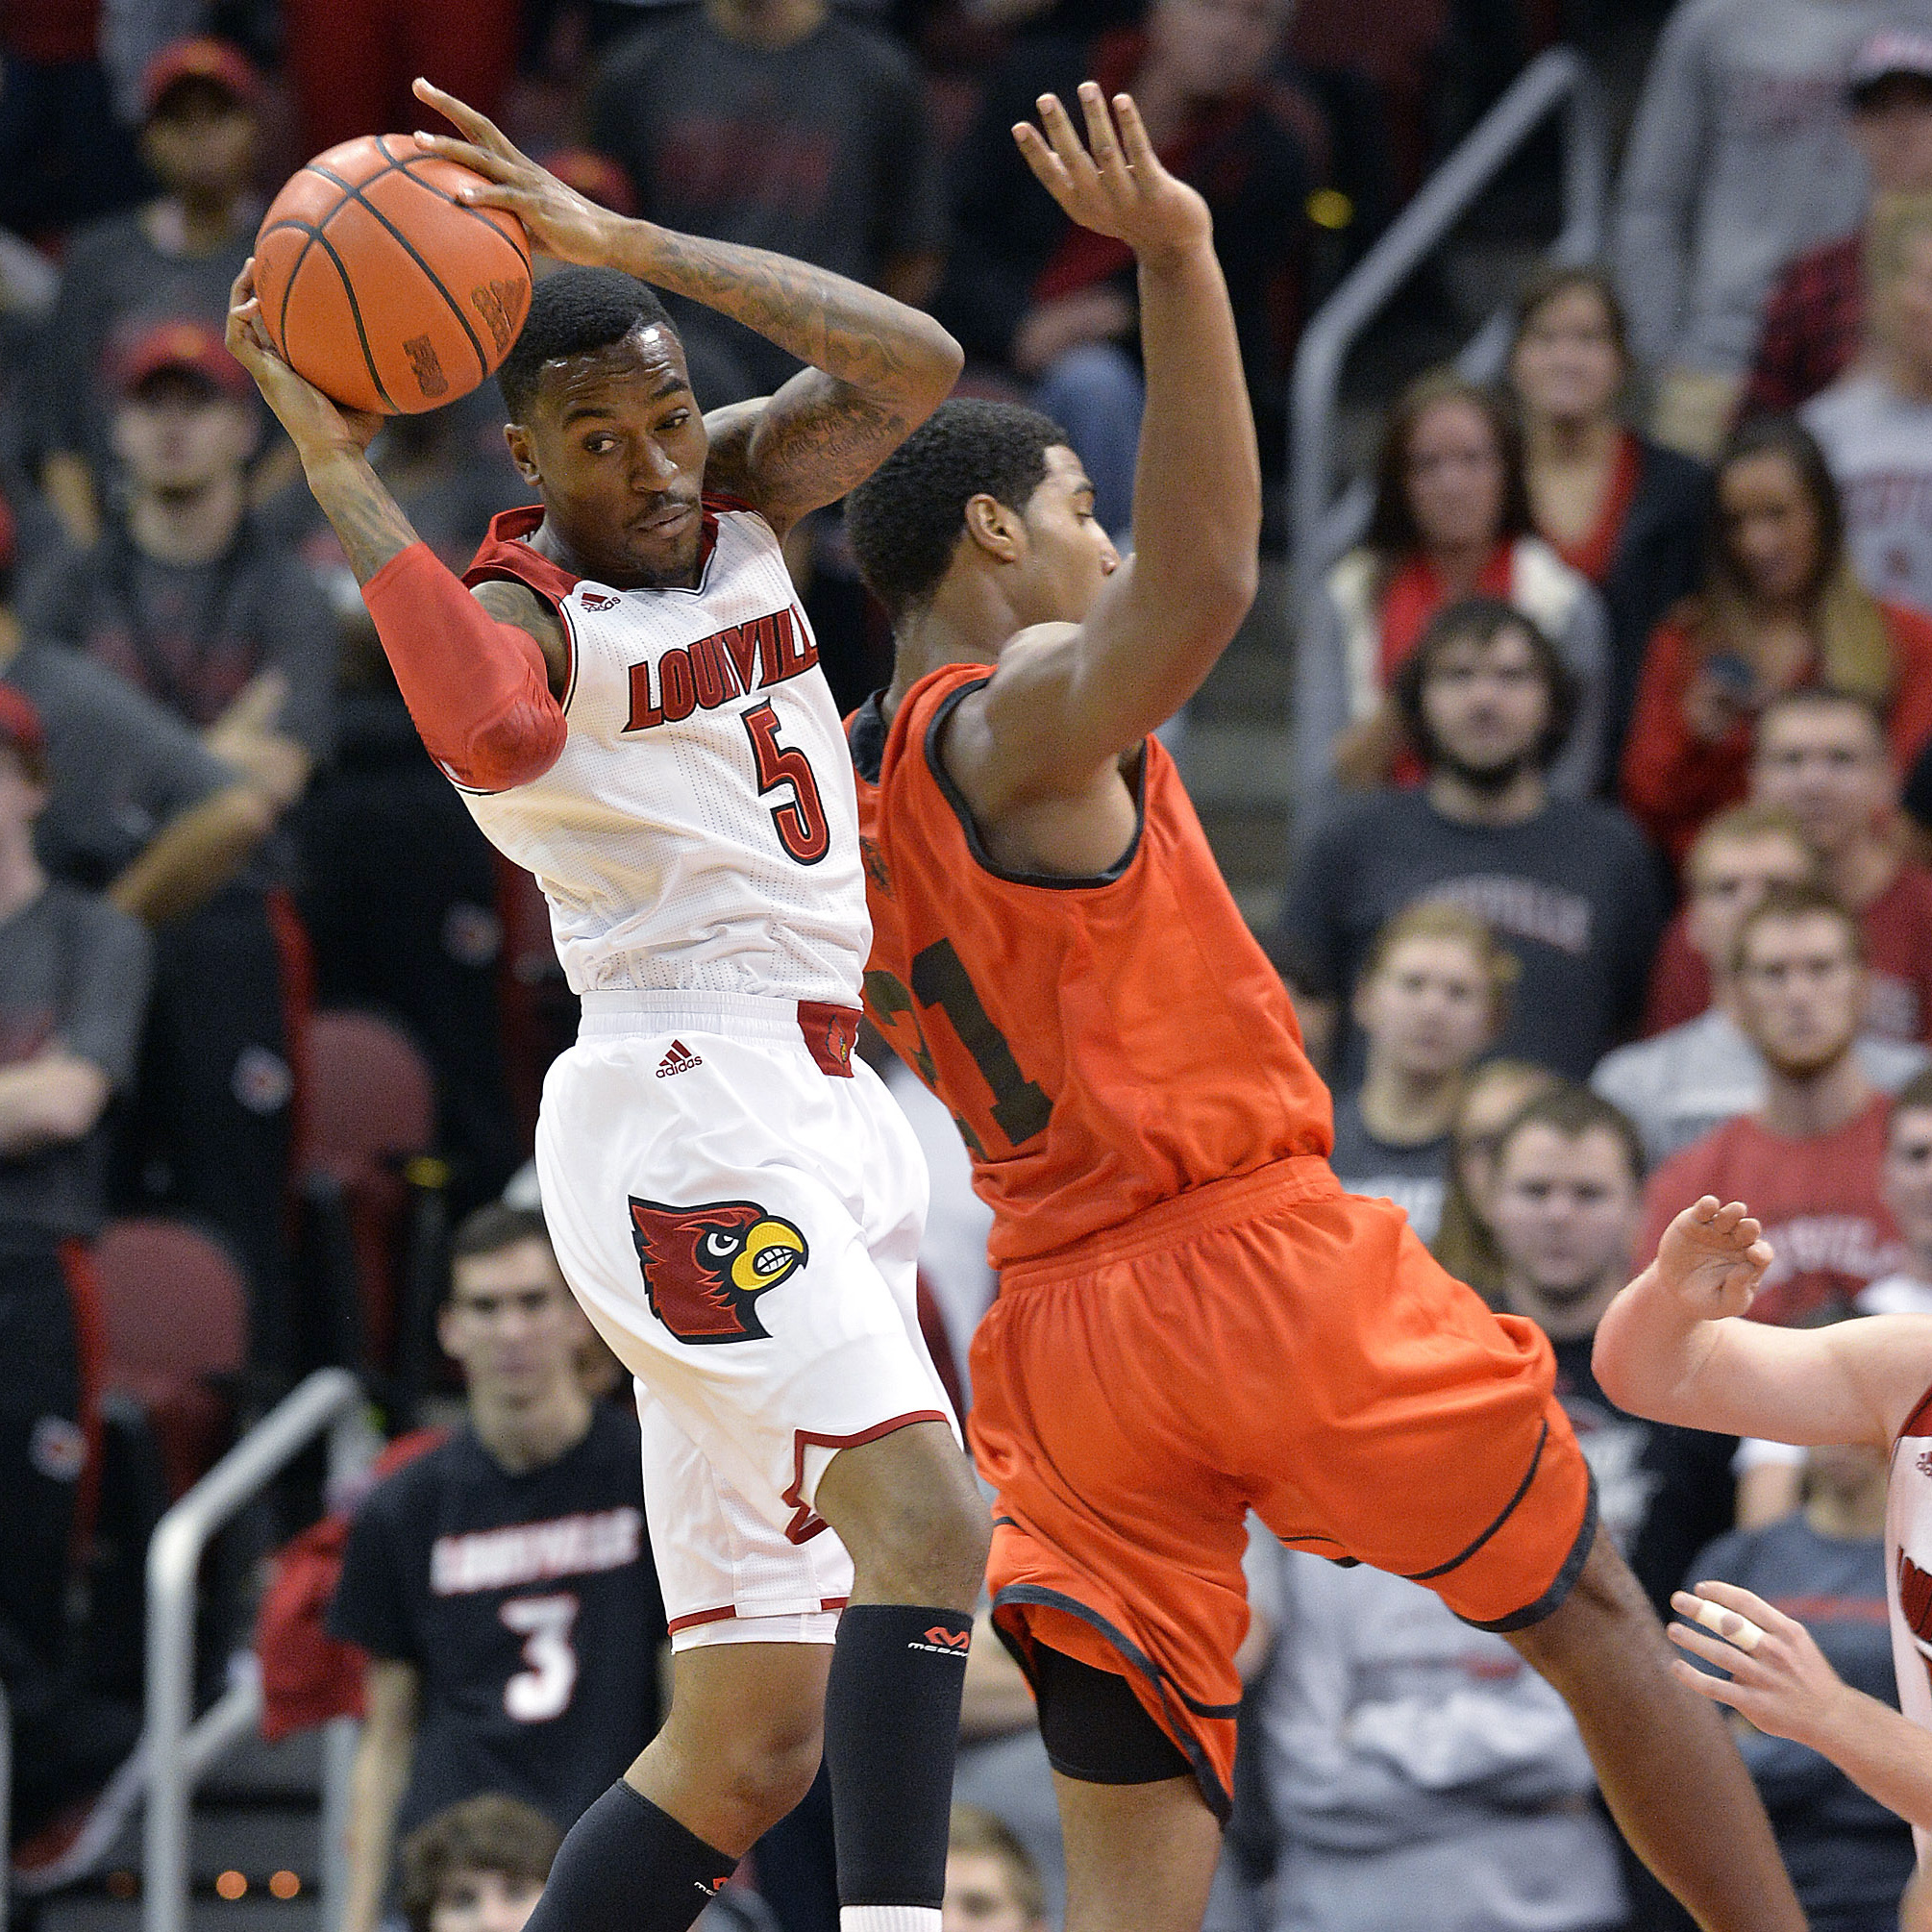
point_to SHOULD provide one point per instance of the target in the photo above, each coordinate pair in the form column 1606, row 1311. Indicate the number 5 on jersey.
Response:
column 799, row 824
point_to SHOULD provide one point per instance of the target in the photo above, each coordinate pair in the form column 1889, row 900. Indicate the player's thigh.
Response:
column 718, row 1224
column 1139, row 1855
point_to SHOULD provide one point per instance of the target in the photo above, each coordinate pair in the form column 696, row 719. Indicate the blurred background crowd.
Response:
column 1581, row 789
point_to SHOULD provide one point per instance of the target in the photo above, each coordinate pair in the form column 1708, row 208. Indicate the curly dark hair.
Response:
column 571, row 314
column 1483, row 619
column 906, row 519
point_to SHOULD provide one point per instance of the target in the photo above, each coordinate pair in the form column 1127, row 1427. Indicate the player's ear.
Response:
column 995, row 529
column 520, row 453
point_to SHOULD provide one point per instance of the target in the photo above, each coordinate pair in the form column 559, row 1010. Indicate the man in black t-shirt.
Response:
column 501, row 1584
column 1567, row 884
column 73, row 983
column 1566, row 1203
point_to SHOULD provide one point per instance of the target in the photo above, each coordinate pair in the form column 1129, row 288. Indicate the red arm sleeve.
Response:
column 477, row 688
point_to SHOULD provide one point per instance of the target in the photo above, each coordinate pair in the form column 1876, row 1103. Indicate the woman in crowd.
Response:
column 1451, row 520
column 1625, row 513
column 1781, row 607
column 1492, row 1095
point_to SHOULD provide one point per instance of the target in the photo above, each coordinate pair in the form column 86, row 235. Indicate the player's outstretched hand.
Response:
column 1712, row 1258
column 1114, row 182
column 1778, row 1676
column 316, row 422
column 560, row 222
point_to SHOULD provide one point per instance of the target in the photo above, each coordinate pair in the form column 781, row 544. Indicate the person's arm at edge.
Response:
column 194, row 855
column 1058, row 709
column 391, row 1692
column 1673, row 1347
column 878, row 367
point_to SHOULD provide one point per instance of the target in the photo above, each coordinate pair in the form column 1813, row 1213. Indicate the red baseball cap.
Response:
column 183, row 344
column 201, row 57
column 20, row 722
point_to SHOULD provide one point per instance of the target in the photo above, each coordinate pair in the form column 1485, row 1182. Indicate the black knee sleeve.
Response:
column 891, row 1731
column 1095, row 1728
column 628, row 1866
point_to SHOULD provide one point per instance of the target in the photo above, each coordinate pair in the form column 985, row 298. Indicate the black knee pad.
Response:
column 1095, row 1728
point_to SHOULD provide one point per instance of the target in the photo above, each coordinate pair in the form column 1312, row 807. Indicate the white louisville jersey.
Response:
column 1908, row 1565
column 700, row 833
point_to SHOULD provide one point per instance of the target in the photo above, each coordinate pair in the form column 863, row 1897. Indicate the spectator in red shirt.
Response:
column 1809, row 1160
column 1781, row 608
column 1814, row 318
column 1628, row 514
column 1821, row 756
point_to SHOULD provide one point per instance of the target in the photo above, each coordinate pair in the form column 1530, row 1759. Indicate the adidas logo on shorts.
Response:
column 681, row 1059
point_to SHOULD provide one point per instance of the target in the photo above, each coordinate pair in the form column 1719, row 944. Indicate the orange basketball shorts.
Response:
column 1266, row 1341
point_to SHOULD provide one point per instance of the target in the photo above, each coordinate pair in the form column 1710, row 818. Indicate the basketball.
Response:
column 382, row 287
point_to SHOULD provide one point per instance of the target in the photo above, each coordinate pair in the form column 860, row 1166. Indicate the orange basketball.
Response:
column 380, row 287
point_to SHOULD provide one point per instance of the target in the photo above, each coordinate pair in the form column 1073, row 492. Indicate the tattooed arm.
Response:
column 878, row 368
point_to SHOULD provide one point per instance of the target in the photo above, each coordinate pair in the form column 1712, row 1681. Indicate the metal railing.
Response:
column 178, row 1746
column 1322, row 526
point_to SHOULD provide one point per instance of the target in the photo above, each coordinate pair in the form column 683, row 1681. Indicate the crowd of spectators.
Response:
column 1605, row 885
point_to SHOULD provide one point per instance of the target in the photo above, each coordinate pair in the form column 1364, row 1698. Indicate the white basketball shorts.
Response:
column 737, row 1202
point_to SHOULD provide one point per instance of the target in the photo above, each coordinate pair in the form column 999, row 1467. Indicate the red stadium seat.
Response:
column 371, row 1116
column 175, row 1311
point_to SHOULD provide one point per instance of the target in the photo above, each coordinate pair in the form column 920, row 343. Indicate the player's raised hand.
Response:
column 1113, row 183
column 1712, row 1258
column 562, row 222
column 316, row 422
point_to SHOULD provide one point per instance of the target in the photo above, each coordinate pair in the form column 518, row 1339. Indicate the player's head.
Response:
column 478, row 1865
column 1737, row 857
column 1823, row 757
column 1797, row 979
column 604, row 426
column 510, row 1322
column 1434, row 991
column 1907, row 1179
column 1565, row 1199
column 1485, row 694
column 23, row 769
column 989, row 500
column 991, row 1884
column 201, row 129
column 184, row 415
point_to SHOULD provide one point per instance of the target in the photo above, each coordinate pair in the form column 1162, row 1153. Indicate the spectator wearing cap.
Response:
column 1740, row 159
column 1815, row 316
column 73, row 982
column 175, row 255
column 1874, row 424
column 188, row 602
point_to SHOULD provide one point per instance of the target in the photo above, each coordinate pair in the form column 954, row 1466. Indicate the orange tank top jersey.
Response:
column 1104, row 1044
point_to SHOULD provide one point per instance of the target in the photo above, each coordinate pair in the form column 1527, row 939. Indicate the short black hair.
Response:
column 1482, row 620
column 906, row 519
column 494, row 1226
column 571, row 314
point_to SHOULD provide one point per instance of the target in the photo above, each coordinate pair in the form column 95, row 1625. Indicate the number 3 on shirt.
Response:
column 536, row 1695
column 801, row 825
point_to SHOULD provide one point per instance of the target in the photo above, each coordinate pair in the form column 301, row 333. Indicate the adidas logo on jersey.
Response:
column 681, row 1059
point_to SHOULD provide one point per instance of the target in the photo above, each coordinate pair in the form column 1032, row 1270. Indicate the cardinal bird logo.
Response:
column 705, row 1266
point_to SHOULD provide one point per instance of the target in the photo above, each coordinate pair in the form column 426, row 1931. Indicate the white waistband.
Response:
column 754, row 1016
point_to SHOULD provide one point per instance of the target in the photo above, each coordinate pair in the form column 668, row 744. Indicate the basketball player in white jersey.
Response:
column 629, row 700
column 1673, row 1347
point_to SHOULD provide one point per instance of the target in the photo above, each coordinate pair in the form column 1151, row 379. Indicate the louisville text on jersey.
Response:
column 532, row 1552
column 730, row 664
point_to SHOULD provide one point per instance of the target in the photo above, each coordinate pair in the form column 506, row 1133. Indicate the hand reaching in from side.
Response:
column 1712, row 1258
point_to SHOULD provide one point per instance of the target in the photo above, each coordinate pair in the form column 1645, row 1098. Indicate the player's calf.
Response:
column 910, row 1514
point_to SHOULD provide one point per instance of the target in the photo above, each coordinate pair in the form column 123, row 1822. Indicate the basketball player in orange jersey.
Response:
column 1193, row 1320
column 627, row 697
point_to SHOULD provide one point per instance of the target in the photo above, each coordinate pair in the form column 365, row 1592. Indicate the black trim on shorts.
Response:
column 1552, row 1599
column 1096, row 1730
column 1219, row 1800
column 1508, row 1510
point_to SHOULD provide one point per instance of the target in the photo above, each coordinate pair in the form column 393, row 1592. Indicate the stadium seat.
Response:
column 371, row 1184
column 175, row 1314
